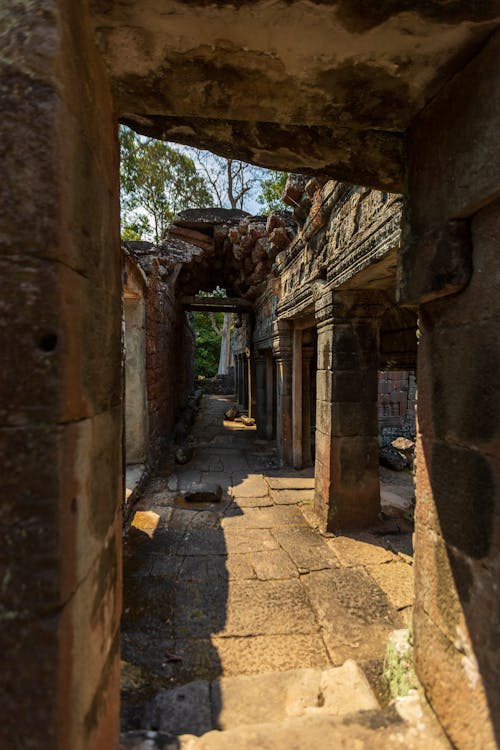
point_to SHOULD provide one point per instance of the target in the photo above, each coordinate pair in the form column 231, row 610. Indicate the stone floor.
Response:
column 246, row 585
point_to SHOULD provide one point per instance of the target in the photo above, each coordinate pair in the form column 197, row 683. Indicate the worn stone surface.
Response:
column 182, row 710
column 373, row 731
column 270, row 653
column 321, row 98
column 396, row 580
column 61, row 331
column 275, row 564
column 244, row 591
column 60, row 414
column 457, row 476
column 292, row 497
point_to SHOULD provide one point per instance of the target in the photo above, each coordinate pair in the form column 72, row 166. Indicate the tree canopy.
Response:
column 157, row 181
column 271, row 189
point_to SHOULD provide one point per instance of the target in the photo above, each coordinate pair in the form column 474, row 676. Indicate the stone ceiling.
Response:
column 301, row 85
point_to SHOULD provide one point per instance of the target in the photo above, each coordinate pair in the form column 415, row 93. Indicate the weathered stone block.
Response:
column 441, row 666
column 435, row 265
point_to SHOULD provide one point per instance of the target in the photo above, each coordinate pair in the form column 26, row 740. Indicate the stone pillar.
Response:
column 260, row 393
column 245, row 380
column 347, row 468
column 307, row 353
column 237, row 374
column 297, row 398
column 241, row 380
column 61, row 414
column 449, row 269
column 269, row 395
column 252, row 394
column 283, row 359
column 135, row 378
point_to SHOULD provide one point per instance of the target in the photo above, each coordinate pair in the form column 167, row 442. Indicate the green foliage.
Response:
column 271, row 190
column 206, row 361
column 157, row 181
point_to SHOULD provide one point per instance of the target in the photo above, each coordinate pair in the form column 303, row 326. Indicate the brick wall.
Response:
column 396, row 405
column 169, row 361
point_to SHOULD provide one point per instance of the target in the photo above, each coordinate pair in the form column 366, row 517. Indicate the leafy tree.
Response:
column 271, row 189
column 207, row 328
column 157, row 181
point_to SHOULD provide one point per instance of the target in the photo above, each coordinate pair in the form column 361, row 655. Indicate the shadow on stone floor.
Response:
column 244, row 586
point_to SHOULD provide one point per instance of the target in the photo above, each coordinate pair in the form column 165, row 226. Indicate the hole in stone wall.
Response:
column 47, row 342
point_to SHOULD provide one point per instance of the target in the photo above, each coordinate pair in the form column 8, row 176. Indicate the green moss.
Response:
column 398, row 664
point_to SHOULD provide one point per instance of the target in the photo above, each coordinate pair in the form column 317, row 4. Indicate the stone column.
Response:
column 241, row 380
column 307, row 353
column 237, row 378
column 61, row 416
column 449, row 269
column 347, row 467
column 260, row 394
column 269, row 395
column 283, row 359
column 245, row 380
column 297, row 398
column 252, row 396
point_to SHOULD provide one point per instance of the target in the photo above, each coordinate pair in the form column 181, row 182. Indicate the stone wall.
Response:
column 169, row 359
column 396, row 405
column 447, row 268
column 60, row 388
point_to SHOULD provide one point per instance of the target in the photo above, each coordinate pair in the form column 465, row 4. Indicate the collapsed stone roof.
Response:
column 212, row 248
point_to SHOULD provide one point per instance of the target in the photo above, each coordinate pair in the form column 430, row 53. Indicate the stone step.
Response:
column 365, row 730
column 230, row 702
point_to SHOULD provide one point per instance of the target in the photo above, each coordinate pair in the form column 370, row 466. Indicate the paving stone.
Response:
column 272, row 696
column 253, row 502
column 265, row 518
column 204, row 542
column 165, row 566
column 360, row 549
column 183, row 710
column 215, row 464
column 292, row 497
column 204, row 568
column 222, row 478
column 291, row 482
column 267, row 607
column 146, row 521
column 240, row 567
column 267, row 653
column 199, row 656
column 187, row 476
column 242, row 540
column 273, row 564
column 397, row 581
column 354, row 613
column 306, row 548
column 249, row 485
column 200, row 607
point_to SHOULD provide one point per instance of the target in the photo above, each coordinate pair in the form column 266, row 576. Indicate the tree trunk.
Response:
column 225, row 345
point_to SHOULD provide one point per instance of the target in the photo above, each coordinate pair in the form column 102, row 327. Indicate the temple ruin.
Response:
column 382, row 276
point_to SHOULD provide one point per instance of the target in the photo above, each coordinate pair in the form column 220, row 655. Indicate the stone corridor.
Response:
column 246, row 586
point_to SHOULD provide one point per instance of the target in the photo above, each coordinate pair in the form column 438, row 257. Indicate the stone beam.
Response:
column 308, row 149
column 216, row 304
